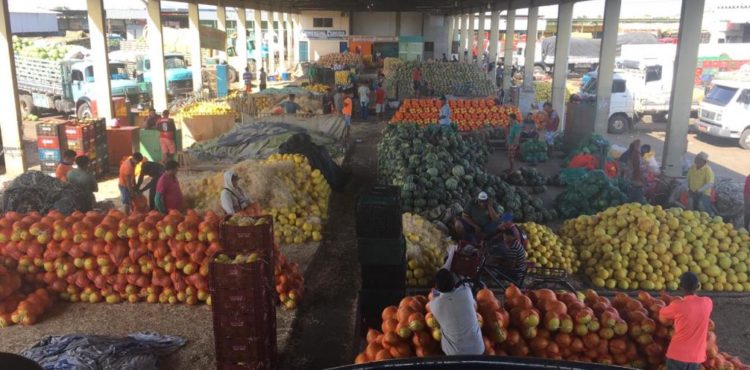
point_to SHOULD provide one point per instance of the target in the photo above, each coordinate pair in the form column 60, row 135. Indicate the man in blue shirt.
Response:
column 445, row 112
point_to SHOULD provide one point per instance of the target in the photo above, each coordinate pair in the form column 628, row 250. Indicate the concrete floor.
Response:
column 726, row 157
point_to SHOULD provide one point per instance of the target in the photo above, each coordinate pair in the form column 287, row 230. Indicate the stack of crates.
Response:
column 51, row 143
column 100, row 141
column 382, row 252
column 89, row 138
column 243, row 299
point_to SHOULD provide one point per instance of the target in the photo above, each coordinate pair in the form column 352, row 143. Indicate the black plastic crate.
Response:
column 371, row 304
column 373, row 251
column 384, row 276
column 378, row 213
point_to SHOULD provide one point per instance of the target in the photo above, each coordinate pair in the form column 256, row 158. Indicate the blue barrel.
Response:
column 285, row 76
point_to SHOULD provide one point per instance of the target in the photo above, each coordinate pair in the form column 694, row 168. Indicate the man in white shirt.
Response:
column 445, row 112
column 364, row 100
column 455, row 310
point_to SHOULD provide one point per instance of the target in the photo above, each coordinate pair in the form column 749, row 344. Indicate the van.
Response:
column 725, row 111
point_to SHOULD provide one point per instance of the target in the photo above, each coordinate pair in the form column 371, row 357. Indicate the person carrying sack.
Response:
column 233, row 198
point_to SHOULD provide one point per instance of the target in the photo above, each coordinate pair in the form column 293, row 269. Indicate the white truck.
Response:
column 648, row 89
column 67, row 86
column 725, row 111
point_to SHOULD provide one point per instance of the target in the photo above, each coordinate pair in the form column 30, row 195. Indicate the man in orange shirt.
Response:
column 167, row 132
column 347, row 115
column 687, row 349
column 61, row 172
column 127, row 179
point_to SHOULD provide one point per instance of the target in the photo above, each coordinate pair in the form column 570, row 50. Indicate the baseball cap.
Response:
column 483, row 196
column 506, row 217
column 702, row 155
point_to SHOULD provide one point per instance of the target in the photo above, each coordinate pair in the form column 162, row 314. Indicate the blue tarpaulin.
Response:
column 138, row 351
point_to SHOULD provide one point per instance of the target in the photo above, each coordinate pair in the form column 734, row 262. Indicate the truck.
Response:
column 179, row 75
column 644, row 87
column 67, row 86
column 724, row 111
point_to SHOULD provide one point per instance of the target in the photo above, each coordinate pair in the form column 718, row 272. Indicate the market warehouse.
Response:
column 446, row 21
column 295, row 223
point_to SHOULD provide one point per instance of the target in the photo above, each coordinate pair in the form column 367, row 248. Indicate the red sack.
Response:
column 139, row 203
column 583, row 161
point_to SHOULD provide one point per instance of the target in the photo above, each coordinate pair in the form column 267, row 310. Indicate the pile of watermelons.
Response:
column 435, row 168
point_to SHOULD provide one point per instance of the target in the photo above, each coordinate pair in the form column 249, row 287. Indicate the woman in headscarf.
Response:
column 233, row 198
column 634, row 172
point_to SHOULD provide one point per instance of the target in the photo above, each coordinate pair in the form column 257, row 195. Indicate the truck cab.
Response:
column 621, row 113
column 179, row 76
column 82, row 90
column 725, row 111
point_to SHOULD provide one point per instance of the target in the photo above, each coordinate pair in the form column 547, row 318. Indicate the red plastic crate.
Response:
column 241, row 301
column 247, row 239
column 245, row 325
column 247, row 350
column 81, row 146
column 246, row 276
column 56, row 129
column 255, row 365
column 83, row 132
column 51, row 142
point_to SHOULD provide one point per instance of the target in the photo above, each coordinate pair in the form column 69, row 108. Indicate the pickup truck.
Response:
column 640, row 87
column 179, row 75
column 67, row 86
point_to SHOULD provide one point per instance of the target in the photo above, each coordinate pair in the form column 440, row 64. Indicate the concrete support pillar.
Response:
column 194, row 24
column 280, row 44
column 494, row 34
column 480, row 36
column 156, row 55
column 449, row 20
column 10, row 120
column 289, row 42
column 471, row 36
column 297, row 31
column 464, row 38
column 271, row 44
column 562, row 48
column 531, row 34
column 607, row 54
column 241, row 46
column 221, row 24
column 675, row 143
column 258, row 40
column 98, row 37
column 510, row 29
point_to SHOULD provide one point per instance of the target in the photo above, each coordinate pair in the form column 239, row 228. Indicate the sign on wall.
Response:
column 212, row 38
column 325, row 34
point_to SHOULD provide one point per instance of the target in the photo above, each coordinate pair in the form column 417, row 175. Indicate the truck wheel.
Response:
column 232, row 75
column 84, row 111
column 618, row 123
column 745, row 139
column 660, row 117
column 27, row 105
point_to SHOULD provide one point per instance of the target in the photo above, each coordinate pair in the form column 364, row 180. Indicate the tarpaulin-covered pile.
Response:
column 139, row 351
column 257, row 139
column 35, row 191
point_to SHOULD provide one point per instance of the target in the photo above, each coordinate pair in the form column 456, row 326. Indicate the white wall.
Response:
column 374, row 23
column 411, row 24
column 318, row 48
column 436, row 31
column 33, row 22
